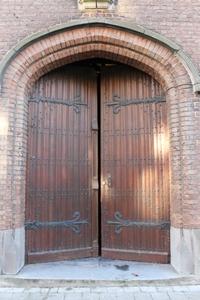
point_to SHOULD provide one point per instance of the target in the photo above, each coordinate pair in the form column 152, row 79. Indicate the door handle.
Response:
column 108, row 181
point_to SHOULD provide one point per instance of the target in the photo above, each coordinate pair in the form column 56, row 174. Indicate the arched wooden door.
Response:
column 134, row 167
column 97, row 167
column 61, row 210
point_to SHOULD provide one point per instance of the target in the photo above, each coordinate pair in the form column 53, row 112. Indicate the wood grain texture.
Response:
column 89, row 168
column 60, row 164
column 134, row 152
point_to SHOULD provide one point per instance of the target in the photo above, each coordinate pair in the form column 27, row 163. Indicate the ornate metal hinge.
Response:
column 74, row 224
column 76, row 103
column 119, row 223
column 117, row 102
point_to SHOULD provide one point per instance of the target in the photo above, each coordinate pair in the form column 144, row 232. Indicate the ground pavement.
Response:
column 99, row 279
column 191, row 292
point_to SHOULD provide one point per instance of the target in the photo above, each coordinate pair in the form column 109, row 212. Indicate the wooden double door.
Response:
column 97, row 166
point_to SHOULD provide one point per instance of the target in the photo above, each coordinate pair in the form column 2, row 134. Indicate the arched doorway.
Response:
column 125, row 43
column 98, row 165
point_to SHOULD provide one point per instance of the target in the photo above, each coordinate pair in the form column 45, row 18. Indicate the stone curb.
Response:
column 8, row 282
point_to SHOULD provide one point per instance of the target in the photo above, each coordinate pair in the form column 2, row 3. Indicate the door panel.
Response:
column 62, row 167
column 61, row 206
column 134, row 167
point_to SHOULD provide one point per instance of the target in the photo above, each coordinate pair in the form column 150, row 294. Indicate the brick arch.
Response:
column 154, row 56
column 52, row 51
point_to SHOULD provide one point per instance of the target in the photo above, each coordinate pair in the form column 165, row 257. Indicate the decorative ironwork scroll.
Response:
column 119, row 223
column 117, row 102
column 76, row 103
column 74, row 224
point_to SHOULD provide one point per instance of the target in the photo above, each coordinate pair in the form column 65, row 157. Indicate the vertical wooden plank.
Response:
column 61, row 175
column 143, row 200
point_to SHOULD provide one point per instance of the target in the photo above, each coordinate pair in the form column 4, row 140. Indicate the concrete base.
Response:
column 185, row 250
column 12, row 250
column 98, row 269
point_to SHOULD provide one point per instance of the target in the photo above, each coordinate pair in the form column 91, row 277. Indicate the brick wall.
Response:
column 22, row 18
column 38, row 58
column 178, row 20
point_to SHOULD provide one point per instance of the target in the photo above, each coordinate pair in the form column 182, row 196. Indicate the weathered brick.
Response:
column 22, row 18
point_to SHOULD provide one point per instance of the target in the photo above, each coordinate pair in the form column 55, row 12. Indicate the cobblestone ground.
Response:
column 103, row 293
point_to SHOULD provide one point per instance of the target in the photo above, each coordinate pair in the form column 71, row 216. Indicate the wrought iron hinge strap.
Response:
column 74, row 224
column 76, row 103
column 119, row 223
column 117, row 102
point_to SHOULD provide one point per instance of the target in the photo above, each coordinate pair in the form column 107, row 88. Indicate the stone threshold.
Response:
column 12, row 282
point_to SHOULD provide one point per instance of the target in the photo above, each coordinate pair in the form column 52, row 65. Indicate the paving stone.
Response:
column 44, row 290
column 164, row 288
column 124, row 295
column 177, row 296
column 82, row 290
column 127, row 296
column 32, row 290
column 106, row 296
column 6, row 290
column 65, row 290
column 6, row 296
column 142, row 296
column 75, row 296
column 180, row 288
column 56, row 297
column 26, row 296
column 17, row 290
column 102, row 293
column 89, row 296
column 104, row 289
column 53, row 290
column 160, row 296
column 194, row 288
column 133, row 289
column 148, row 289
column 193, row 296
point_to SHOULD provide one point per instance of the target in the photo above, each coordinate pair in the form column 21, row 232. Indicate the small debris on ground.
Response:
column 122, row 267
